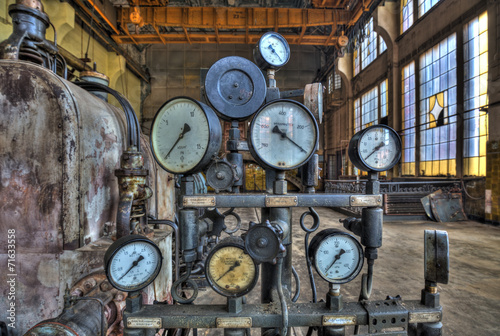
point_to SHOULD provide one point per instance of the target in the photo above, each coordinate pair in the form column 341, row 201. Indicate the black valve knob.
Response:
column 263, row 242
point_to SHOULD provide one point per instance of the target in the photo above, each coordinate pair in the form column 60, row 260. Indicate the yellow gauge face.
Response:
column 231, row 271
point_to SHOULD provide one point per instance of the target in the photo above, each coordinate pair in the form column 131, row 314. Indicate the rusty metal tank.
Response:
column 59, row 149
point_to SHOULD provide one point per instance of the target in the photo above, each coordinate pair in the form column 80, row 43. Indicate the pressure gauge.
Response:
column 337, row 256
column 229, row 270
column 283, row 135
column 376, row 148
column 272, row 51
column 132, row 263
column 185, row 135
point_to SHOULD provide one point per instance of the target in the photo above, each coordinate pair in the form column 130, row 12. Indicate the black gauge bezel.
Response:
column 230, row 242
column 214, row 137
column 260, row 59
column 117, row 246
column 315, row 245
column 255, row 153
column 230, row 108
column 355, row 155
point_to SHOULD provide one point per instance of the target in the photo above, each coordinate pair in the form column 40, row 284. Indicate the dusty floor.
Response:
column 471, row 301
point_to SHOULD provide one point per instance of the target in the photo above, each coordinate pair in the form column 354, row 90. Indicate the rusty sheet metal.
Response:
column 447, row 207
column 426, row 203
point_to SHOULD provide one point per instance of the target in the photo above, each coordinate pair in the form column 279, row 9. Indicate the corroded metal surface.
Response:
column 59, row 149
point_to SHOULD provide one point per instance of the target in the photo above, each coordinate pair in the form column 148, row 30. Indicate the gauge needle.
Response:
column 184, row 131
column 337, row 257
column 277, row 130
column 236, row 264
column 274, row 51
column 382, row 144
column 134, row 264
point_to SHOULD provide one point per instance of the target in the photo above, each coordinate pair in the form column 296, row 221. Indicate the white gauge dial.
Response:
column 132, row 263
column 283, row 135
column 274, row 50
column 183, row 135
column 338, row 256
column 376, row 148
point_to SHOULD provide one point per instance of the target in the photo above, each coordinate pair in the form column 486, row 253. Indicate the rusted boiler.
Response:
column 60, row 147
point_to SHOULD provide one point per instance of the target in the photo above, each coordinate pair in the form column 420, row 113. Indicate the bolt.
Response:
column 230, row 97
column 105, row 286
column 235, row 85
column 240, row 98
column 262, row 242
column 119, row 297
column 219, row 176
column 89, row 284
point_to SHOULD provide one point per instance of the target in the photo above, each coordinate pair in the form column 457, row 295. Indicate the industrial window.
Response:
column 357, row 116
column 438, row 109
column 369, row 108
column 369, row 45
column 367, row 51
column 330, row 83
column 406, row 14
column 383, row 99
column 425, row 5
column 475, row 95
column 409, row 118
column 337, row 82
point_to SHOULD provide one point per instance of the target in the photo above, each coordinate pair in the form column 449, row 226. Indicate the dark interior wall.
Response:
column 176, row 70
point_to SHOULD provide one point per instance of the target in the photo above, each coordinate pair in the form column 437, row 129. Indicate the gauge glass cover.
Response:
column 376, row 148
column 338, row 256
column 133, row 264
column 283, row 135
column 183, row 135
column 230, row 271
column 274, row 49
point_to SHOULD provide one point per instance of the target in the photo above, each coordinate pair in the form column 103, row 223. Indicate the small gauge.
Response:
column 185, row 135
column 283, row 135
column 313, row 100
column 376, row 148
column 229, row 270
column 132, row 263
column 337, row 256
column 272, row 51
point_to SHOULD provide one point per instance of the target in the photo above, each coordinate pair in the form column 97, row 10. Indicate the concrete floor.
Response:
column 471, row 300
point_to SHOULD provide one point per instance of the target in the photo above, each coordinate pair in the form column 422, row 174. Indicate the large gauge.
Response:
column 337, row 256
column 132, row 263
column 272, row 51
column 376, row 148
column 229, row 270
column 283, row 135
column 185, row 135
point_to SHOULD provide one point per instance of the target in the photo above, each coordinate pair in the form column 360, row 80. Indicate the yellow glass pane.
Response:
column 483, row 42
column 483, row 84
column 483, row 124
column 466, row 166
column 483, row 22
column 482, row 166
column 482, row 145
column 452, row 167
column 483, row 63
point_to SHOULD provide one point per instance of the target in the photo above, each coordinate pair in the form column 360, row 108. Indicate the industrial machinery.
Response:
column 74, row 164
column 283, row 135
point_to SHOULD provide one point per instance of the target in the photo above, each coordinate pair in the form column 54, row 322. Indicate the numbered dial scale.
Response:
column 229, row 270
column 185, row 135
column 272, row 51
column 283, row 135
column 337, row 256
column 132, row 263
column 376, row 148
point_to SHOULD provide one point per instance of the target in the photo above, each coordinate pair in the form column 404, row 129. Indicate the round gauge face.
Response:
column 230, row 271
column 184, row 136
column 338, row 257
column 132, row 263
column 376, row 148
column 283, row 135
column 274, row 49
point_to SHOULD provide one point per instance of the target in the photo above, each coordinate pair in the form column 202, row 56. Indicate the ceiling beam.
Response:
column 226, row 38
column 237, row 18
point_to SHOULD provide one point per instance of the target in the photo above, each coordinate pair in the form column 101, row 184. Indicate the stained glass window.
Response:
column 438, row 109
column 425, row 5
column 409, row 119
column 355, row 57
column 475, row 95
column 406, row 14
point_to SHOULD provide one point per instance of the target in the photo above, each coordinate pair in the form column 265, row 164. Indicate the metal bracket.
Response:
column 388, row 314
